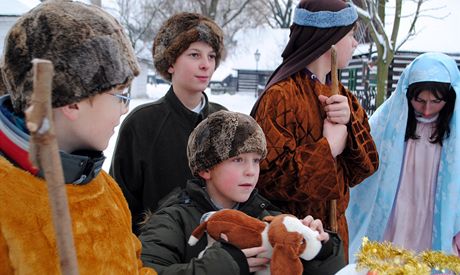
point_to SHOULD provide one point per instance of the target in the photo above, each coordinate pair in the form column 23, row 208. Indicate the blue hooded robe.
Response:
column 371, row 202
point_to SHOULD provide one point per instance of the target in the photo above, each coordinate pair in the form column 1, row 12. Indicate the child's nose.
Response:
column 251, row 168
column 205, row 64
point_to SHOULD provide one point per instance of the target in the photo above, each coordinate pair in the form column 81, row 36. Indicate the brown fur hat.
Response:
column 2, row 86
column 176, row 35
column 86, row 45
column 221, row 136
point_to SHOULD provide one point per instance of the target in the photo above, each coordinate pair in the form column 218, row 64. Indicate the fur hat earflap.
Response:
column 176, row 35
column 86, row 45
column 221, row 136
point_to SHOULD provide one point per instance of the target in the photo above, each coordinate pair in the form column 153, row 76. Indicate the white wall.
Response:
column 139, row 85
column 6, row 22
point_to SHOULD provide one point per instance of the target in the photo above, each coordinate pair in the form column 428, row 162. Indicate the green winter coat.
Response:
column 165, row 235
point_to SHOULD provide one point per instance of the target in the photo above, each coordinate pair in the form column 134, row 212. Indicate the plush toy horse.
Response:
column 284, row 236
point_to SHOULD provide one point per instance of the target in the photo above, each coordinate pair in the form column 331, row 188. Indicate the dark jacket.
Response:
column 164, row 238
column 150, row 158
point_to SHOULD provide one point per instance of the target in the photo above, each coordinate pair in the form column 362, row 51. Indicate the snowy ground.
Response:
column 242, row 102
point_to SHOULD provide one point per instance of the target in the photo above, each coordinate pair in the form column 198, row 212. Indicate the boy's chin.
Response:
column 244, row 199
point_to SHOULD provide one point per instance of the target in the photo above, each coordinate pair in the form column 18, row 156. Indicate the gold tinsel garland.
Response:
column 440, row 261
column 384, row 258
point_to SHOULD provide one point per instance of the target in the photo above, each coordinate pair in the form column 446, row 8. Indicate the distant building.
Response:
column 246, row 81
column 139, row 84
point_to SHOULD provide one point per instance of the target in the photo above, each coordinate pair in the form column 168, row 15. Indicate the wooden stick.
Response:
column 334, row 70
column 335, row 91
column 44, row 153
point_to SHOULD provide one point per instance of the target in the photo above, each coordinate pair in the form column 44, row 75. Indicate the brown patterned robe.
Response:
column 299, row 174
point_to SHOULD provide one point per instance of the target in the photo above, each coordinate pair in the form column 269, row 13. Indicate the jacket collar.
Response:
column 192, row 117
column 78, row 167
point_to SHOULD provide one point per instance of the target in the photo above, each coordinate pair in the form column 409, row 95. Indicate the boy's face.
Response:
column 232, row 180
column 345, row 48
column 192, row 70
column 96, row 120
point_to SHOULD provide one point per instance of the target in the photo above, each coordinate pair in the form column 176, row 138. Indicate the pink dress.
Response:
column 411, row 221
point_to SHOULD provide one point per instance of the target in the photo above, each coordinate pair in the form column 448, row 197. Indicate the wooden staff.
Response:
column 335, row 91
column 44, row 153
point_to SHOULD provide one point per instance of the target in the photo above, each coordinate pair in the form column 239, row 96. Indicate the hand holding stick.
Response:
column 44, row 153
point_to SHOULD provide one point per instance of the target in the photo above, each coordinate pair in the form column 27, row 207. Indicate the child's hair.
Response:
column 86, row 45
column 441, row 91
column 176, row 35
column 223, row 135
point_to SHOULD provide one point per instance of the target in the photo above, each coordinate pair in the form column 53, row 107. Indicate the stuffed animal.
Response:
column 285, row 238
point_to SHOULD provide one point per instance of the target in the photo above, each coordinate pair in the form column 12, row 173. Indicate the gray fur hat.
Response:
column 223, row 135
column 176, row 35
column 86, row 45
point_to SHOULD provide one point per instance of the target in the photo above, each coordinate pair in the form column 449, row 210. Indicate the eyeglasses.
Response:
column 124, row 98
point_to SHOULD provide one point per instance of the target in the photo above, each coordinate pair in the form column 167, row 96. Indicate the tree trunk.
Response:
column 382, row 76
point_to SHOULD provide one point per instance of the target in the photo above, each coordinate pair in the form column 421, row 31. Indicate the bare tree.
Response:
column 373, row 15
column 232, row 15
column 140, row 19
column 280, row 13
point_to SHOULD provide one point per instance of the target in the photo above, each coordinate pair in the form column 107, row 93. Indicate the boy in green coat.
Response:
column 224, row 152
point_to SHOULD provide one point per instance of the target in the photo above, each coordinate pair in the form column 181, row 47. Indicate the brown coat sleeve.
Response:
column 360, row 157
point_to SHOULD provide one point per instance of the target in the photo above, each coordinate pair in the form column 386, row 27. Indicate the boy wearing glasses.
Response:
column 94, row 63
column 124, row 97
column 150, row 159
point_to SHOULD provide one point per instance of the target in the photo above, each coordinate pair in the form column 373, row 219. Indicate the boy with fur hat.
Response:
column 224, row 152
column 150, row 156
column 318, row 144
column 94, row 63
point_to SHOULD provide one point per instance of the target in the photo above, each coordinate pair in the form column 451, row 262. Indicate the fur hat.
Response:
column 86, row 45
column 221, row 136
column 176, row 35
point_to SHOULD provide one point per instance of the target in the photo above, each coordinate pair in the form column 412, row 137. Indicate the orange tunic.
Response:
column 299, row 174
column 101, row 224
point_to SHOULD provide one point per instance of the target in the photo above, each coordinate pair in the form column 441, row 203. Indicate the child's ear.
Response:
column 171, row 69
column 70, row 111
column 205, row 174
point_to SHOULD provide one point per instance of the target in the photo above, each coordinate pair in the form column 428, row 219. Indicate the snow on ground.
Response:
column 240, row 102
